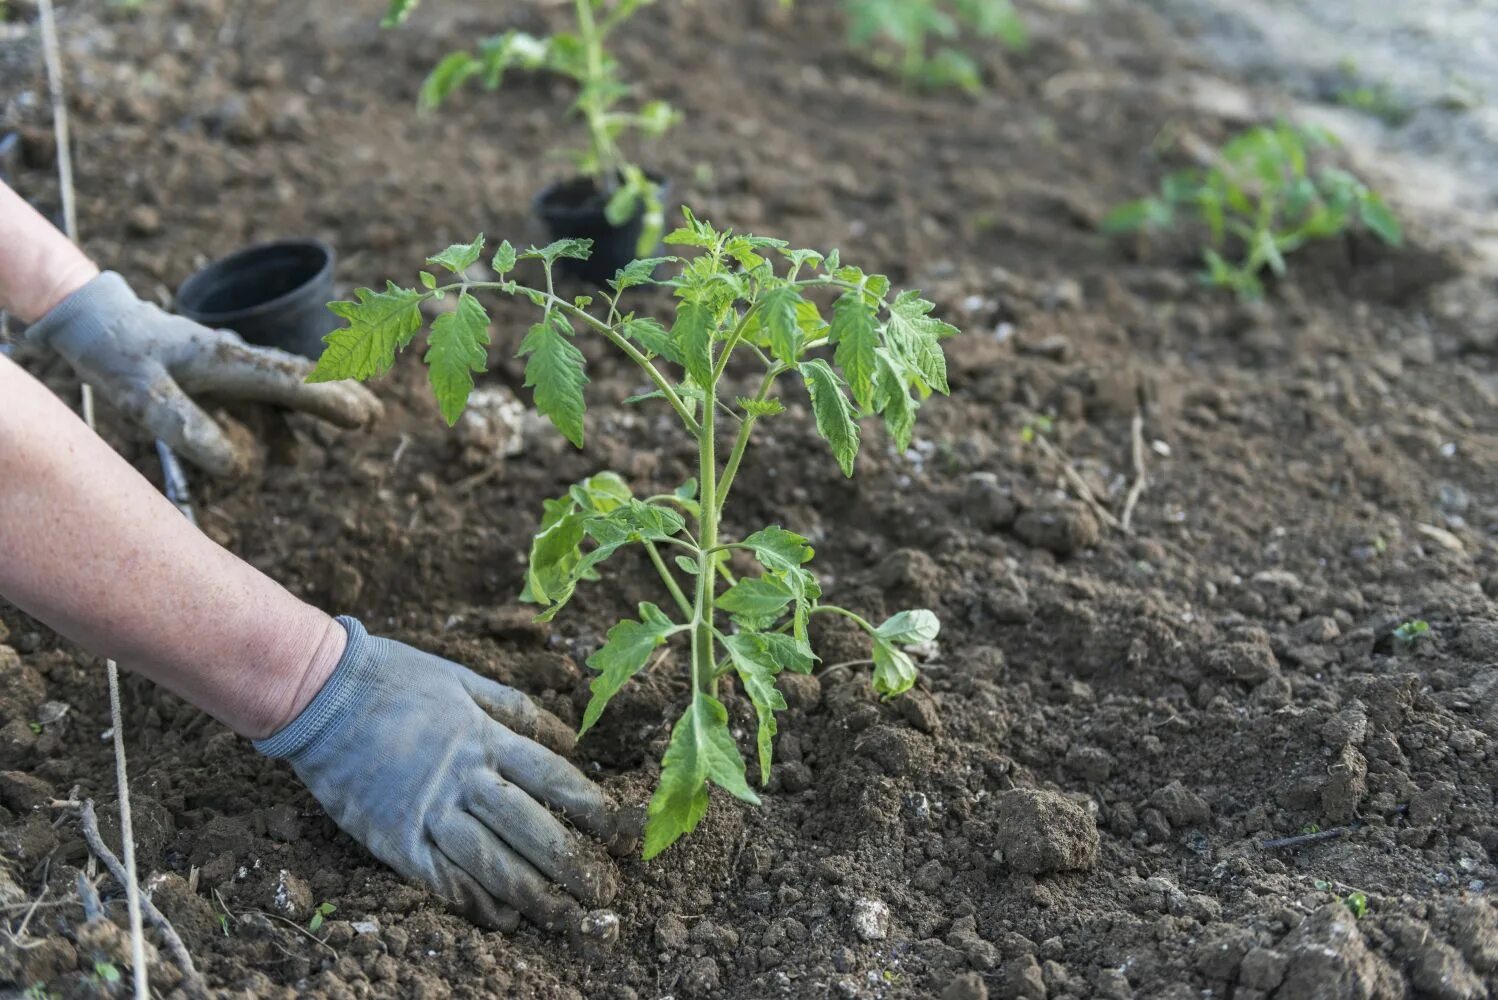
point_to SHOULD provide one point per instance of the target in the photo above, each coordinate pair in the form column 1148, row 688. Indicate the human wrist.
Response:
column 296, row 676
column 66, row 278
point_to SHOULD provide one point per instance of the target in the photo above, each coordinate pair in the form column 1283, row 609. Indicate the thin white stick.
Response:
column 52, row 55
column 1141, row 478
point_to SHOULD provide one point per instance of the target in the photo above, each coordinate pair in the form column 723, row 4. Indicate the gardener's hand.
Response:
column 436, row 770
column 149, row 362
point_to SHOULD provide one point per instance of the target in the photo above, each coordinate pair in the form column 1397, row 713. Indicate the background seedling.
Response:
column 322, row 913
column 740, row 297
column 914, row 37
column 1259, row 203
column 1412, row 630
column 581, row 56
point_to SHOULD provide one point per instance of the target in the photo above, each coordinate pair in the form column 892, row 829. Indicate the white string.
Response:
column 51, row 53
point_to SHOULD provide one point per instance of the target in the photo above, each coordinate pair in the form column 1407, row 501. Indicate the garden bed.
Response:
column 1075, row 801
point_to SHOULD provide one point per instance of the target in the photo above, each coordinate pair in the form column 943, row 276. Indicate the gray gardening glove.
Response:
column 148, row 362
column 434, row 769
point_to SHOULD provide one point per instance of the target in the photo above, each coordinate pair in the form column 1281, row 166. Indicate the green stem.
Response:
column 835, row 610
column 591, row 102
column 670, row 580
column 741, row 443
column 703, row 663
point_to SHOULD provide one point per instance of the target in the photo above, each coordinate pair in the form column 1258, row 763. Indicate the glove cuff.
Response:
column 344, row 688
column 88, row 312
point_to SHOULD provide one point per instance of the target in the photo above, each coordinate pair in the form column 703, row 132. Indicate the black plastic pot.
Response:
column 574, row 209
column 272, row 294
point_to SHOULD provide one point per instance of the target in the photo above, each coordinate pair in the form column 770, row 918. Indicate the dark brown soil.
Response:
column 1077, row 800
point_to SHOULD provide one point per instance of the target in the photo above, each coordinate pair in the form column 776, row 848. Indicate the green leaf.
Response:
column 573, row 249
column 428, row 281
column 761, row 407
column 447, row 76
column 1132, row 216
column 788, row 653
column 1379, row 220
column 379, row 324
column 777, row 310
column 653, row 337
column 638, row 272
column 504, row 259
column 552, row 570
column 855, row 331
column 397, row 12
column 688, row 565
column 693, row 333
column 911, row 627
column 914, row 337
column 757, row 669
column 624, row 653
column 894, row 673
column 756, row 599
column 833, row 414
column 629, row 522
column 457, row 347
column 701, row 750
column 460, row 256
column 779, row 550
column 555, row 370
column 892, row 399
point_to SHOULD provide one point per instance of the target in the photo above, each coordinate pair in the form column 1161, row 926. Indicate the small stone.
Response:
column 801, row 691
column 870, row 919
column 1181, row 806
column 292, row 897
column 968, row 986
column 670, row 933
column 1041, row 831
column 1242, row 661
column 703, row 978
column 1063, row 527
column 22, row 792
column 1093, row 764
column 143, row 220
column 1427, row 806
column 1022, row 979
column 1346, row 784
column 1262, row 969
column 918, row 708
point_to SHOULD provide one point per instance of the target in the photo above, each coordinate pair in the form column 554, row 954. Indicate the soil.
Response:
column 1083, row 797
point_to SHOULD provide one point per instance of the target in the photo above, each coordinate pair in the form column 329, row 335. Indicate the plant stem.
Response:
column 703, row 665
column 835, row 610
column 741, row 443
column 591, row 100
column 670, row 579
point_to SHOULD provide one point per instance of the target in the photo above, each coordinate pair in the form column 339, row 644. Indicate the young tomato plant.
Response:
column 912, row 37
column 740, row 296
column 581, row 56
column 1259, row 203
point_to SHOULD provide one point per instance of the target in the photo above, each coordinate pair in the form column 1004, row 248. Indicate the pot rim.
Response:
column 230, row 263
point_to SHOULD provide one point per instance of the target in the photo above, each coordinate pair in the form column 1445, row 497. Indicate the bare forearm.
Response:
column 39, row 266
column 90, row 548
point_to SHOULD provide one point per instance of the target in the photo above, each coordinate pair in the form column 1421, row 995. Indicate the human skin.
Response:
column 89, row 547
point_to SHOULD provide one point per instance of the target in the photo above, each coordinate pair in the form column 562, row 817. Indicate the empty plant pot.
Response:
column 272, row 294
column 574, row 209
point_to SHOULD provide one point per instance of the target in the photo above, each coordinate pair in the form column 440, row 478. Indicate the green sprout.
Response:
column 1357, row 902
column 912, row 37
column 106, row 972
column 1259, row 203
column 740, row 297
column 322, row 913
column 1411, row 630
column 581, row 56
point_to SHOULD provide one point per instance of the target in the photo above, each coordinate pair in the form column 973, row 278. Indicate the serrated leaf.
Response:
column 855, row 331
column 456, row 349
column 694, row 234
column 653, row 337
column 1379, row 220
column 460, row 256
column 894, row 673
column 892, row 399
column 778, row 316
column 788, row 652
column 914, row 337
column 555, row 371
column 573, row 249
column 779, row 550
column 688, row 565
column 701, row 750
column 833, row 415
column 757, row 669
column 553, row 568
column 910, row 627
column 504, row 259
column 379, row 324
column 756, row 599
column 625, row 651
column 692, row 333
column 638, row 272
column 761, row 407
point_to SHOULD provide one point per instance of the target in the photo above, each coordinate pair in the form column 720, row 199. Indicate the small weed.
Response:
column 106, row 972
column 323, row 912
column 1357, row 902
column 1412, row 630
column 912, row 37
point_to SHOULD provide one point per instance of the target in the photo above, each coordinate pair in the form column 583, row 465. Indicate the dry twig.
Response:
column 1141, row 479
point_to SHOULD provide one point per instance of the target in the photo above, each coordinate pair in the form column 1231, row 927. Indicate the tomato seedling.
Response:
column 1258, row 203
column 913, row 37
column 581, row 56
column 732, row 301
